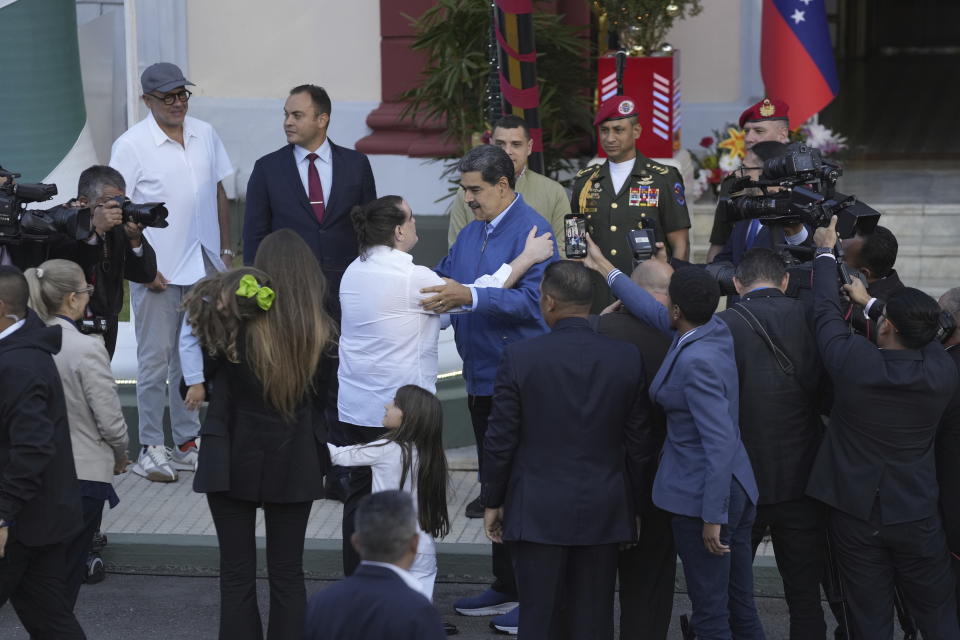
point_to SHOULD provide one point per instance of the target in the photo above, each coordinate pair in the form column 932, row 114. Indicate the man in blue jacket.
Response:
column 496, row 318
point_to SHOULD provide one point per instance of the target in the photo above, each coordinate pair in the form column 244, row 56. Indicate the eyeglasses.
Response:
column 88, row 290
column 170, row 98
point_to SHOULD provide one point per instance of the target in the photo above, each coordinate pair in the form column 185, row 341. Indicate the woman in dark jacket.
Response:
column 266, row 342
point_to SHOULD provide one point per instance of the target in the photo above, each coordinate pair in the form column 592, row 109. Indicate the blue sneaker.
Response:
column 488, row 603
column 509, row 622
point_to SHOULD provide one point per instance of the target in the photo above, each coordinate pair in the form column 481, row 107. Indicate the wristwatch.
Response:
column 227, row 252
column 823, row 251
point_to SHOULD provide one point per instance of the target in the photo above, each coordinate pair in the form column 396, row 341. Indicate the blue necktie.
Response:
column 752, row 232
column 487, row 230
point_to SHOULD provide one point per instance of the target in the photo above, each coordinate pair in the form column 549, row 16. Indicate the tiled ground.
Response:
column 173, row 508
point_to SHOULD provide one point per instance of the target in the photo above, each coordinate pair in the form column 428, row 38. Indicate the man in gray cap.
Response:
column 173, row 158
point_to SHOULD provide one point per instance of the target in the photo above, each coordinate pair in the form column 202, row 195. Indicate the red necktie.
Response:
column 315, row 188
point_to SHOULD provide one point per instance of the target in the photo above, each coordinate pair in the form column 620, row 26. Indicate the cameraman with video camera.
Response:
column 29, row 237
column 123, row 250
column 876, row 467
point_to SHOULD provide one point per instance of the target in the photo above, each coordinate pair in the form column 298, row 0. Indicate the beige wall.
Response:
column 709, row 47
column 254, row 49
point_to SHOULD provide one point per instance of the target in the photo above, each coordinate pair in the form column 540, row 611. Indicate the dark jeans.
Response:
column 78, row 549
column 648, row 573
column 359, row 484
column 721, row 587
column 798, row 529
column 565, row 592
column 504, row 579
column 34, row 580
column 874, row 557
column 286, row 525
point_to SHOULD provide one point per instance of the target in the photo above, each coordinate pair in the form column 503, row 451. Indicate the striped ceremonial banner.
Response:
column 654, row 82
column 43, row 121
column 518, row 69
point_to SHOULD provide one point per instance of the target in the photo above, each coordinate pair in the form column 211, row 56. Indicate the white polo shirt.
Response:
column 158, row 169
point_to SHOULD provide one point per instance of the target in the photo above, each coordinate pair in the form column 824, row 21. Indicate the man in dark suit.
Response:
column 647, row 571
column 876, row 466
column 310, row 186
column 948, row 446
column 566, row 464
column 780, row 383
column 39, row 493
column 873, row 255
column 381, row 599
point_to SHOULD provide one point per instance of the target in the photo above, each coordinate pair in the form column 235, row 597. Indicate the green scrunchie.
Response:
column 250, row 288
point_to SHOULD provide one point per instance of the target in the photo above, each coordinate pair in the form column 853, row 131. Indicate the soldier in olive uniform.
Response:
column 620, row 194
column 766, row 121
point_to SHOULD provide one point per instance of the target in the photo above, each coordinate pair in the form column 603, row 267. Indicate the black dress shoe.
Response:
column 474, row 509
column 450, row 629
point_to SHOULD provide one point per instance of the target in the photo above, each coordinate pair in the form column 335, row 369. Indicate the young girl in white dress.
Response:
column 410, row 458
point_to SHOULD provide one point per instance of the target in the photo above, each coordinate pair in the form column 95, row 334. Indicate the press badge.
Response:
column 643, row 196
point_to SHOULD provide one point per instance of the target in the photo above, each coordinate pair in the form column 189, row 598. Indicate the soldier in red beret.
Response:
column 616, row 195
column 768, row 120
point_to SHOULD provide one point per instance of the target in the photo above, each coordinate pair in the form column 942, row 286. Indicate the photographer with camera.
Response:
column 123, row 251
column 875, row 469
column 29, row 237
column 766, row 121
column 749, row 232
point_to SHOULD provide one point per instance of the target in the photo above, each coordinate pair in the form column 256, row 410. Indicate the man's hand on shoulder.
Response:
column 538, row 248
column 451, row 295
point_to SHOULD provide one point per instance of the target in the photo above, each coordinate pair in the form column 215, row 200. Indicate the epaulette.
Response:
column 662, row 169
column 589, row 168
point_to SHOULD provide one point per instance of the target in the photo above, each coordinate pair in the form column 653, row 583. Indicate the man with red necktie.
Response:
column 310, row 185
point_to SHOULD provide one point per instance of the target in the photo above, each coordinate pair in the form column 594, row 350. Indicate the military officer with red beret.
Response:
column 619, row 194
column 767, row 120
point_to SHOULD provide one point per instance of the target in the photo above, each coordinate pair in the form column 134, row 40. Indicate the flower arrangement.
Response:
column 722, row 153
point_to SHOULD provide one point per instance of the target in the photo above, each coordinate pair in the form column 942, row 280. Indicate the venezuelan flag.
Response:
column 796, row 57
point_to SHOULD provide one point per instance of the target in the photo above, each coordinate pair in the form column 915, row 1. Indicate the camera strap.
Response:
column 786, row 365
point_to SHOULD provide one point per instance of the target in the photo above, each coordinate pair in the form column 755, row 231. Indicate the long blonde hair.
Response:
column 285, row 349
column 51, row 283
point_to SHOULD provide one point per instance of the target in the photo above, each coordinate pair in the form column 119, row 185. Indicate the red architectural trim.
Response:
column 400, row 69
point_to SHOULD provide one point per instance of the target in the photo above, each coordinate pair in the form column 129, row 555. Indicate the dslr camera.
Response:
column 17, row 224
column 150, row 214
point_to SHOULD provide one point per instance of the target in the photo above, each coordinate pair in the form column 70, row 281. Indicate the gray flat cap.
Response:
column 162, row 77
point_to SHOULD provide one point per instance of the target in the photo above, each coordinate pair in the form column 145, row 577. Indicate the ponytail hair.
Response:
column 375, row 222
column 51, row 283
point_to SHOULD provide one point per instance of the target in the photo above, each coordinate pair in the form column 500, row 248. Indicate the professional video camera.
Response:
column 798, row 187
column 17, row 224
column 150, row 214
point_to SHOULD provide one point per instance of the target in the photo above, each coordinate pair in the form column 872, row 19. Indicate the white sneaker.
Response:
column 154, row 464
column 185, row 460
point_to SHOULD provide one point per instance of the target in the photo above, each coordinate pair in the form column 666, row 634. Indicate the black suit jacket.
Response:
column 567, row 450
column 887, row 407
column 374, row 602
column 653, row 346
column 39, row 491
column 948, row 463
column 779, row 421
column 117, row 262
column 276, row 199
column 249, row 450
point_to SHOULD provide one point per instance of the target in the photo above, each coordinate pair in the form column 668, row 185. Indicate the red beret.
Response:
column 615, row 108
column 766, row 109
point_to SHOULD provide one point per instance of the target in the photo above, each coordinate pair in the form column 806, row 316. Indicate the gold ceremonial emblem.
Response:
column 767, row 109
column 646, row 180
